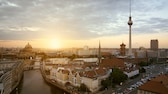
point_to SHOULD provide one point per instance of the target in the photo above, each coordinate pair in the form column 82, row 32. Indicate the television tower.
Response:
column 130, row 24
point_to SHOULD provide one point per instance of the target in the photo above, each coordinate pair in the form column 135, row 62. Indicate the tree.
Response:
column 72, row 57
column 142, row 70
column 118, row 76
column 84, row 88
column 107, row 82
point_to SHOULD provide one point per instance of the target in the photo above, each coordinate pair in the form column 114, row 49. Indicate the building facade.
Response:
column 154, row 44
column 10, row 76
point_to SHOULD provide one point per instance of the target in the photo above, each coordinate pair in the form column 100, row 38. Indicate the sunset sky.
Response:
column 76, row 23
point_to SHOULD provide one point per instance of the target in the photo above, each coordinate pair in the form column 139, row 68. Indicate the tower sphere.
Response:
column 130, row 21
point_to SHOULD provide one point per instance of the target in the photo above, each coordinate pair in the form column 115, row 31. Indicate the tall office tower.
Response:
column 130, row 24
column 154, row 44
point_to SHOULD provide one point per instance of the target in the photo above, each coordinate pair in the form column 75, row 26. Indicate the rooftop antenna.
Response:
column 130, row 8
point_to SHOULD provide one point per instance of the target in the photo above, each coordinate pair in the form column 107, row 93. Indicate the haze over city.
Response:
column 75, row 23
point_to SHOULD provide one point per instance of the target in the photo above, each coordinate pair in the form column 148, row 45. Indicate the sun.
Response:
column 54, row 44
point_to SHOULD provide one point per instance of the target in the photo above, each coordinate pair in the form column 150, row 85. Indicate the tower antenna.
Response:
column 130, row 8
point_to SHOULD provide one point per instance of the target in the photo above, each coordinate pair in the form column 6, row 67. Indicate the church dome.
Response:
column 28, row 46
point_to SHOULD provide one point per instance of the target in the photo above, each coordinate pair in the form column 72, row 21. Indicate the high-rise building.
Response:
column 154, row 44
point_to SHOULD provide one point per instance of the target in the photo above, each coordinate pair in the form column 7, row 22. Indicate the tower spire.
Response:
column 130, row 8
column 99, row 53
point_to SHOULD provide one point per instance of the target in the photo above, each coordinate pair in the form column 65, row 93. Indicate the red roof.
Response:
column 162, row 78
column 90, row 74
column 100, row 71
column 156, row 85
column 113, row 62
column 95, row 73
column 105, row 53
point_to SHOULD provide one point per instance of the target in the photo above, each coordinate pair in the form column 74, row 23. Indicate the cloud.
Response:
column 78, row 19
column 152, row 25
column 16, row 33
column 7, row 4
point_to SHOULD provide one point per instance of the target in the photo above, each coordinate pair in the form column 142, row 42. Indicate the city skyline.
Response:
column 53, row 24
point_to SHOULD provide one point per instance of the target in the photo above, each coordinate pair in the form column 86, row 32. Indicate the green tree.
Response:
column 118, row 76
column 107, row 82
column 84, row 88
column 142, row 63
column 142, row 70
column 72, row 57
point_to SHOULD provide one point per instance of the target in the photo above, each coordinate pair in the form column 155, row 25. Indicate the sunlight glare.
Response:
column 54, row 44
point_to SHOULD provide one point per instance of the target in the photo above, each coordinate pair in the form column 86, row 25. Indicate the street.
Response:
column 131, row 85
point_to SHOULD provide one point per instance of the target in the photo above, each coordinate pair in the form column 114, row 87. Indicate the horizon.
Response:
column 80, row 47
column 74, row 24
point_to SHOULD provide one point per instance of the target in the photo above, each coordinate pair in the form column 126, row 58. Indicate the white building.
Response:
column 51, row 62
column 87, row 52
column 141, row 54
column 91, row 60
column 10, row 76
column 92, row 78
column 57, row 61
column 131, row 73
column 131, row 69
column 91, row 83
column 162, row 53
column 152, row 54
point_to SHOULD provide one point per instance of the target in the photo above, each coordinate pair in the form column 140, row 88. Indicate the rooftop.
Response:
column 113, row 62
column 156, row 85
